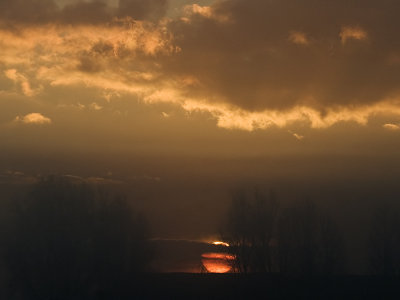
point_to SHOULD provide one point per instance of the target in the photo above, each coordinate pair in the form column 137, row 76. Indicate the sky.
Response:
column 180, row 103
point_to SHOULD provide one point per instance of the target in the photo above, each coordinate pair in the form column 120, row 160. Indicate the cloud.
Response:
column 81, row 12
column 296, row 135
column 21, row 12
column 298, row 38
column 96, row 106
column 117, row 57
column 143, row 9
column 146, row 178
column 230, row 117
column 204, row 11
column 27, row 11
column 16, row 177
column 248, row 64
column 237, row 60
column 19, row 78
column 33, row 118
column 207, row 12
column 355, row 33
column 390, row 126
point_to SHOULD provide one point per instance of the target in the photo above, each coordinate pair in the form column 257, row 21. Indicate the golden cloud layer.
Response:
column 237, row 61
column 235, row 118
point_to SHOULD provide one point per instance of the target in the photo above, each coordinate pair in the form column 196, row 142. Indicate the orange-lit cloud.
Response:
column 18, row 78
column 299, row 38
column 230, row 59
column 296, row 135
column 352, row 32
column 235, row 118
column 207, row 12
column 390, row 126
column 96, row 106
column 33, row 118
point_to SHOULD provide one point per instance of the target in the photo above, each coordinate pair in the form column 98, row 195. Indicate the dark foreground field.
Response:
column 233, row 286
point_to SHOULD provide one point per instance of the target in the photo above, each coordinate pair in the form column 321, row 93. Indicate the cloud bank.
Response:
column 250, row 64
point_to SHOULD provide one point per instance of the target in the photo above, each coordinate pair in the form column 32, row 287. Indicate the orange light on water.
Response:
column 217, row 262
column 216, row 266
column 223, row 256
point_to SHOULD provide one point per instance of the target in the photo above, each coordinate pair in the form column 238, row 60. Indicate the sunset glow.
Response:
column 217, row 262
column 208, row 116
column 221, row 244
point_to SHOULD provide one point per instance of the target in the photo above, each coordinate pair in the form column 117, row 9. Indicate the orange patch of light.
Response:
column 218, row 256
column 217, row 262
column 221, row 244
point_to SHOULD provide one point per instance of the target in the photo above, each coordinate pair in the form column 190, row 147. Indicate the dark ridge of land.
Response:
column 260, row 286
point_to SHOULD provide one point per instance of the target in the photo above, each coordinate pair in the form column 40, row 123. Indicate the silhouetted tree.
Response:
column 331, row 246
column 71, row 240
column 238, row 233
column 309, row 242
column 297, row 238
column 301, row 240
column 249, row 231
column 384, row 242
column 263, row 226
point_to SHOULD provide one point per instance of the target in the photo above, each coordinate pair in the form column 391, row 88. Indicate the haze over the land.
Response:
column 181, row 103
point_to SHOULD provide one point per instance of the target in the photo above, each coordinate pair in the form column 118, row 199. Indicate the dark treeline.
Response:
column 300, row 238
column 68, row 239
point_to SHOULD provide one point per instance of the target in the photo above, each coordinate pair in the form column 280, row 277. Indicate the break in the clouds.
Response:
column 250, row 64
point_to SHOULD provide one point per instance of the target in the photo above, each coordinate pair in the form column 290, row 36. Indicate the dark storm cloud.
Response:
column 85, row 12
column 27, row 11
column 142, row 9
column 279, row 54
column 19, row 12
